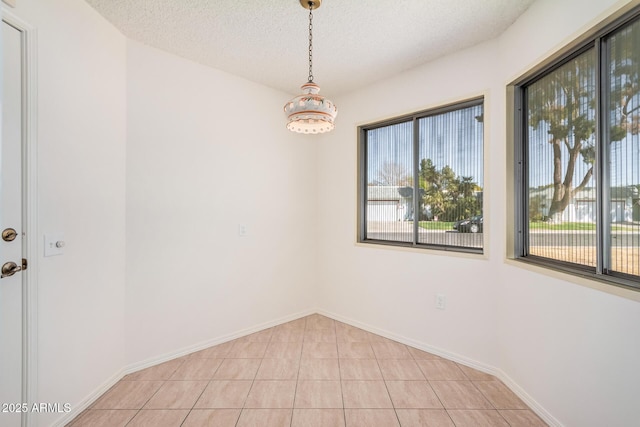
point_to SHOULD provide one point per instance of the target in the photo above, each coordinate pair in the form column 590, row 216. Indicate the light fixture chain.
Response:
column 310, row 42
column 309, row 112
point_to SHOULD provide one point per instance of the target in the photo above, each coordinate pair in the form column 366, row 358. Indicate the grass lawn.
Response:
column 436, row 225
column 539, row 225
column 536, row 225
column 573, row 226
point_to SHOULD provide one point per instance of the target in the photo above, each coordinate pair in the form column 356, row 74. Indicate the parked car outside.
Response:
column 469, row 225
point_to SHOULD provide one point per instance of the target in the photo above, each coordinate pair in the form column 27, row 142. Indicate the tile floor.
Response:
column 310, row 372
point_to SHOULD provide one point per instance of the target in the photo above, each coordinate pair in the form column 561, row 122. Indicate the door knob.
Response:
column 9, row 269
column 9, row 234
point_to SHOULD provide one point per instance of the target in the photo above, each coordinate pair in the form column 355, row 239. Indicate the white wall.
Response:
column 198, row 163
column 81, row 163
column 208, row 151
column 394, row 289
column 573, row 348
column 570, row 348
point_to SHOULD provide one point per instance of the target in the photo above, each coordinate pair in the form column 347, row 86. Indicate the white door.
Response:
column 11, row 218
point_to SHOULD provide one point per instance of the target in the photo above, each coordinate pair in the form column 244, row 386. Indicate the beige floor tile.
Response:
column 261, row 336
column 247, row 350
column 284, row 350
column 441, row 370
column 371, row 418
column 390, row 350
column 477, row 418
column 351, row 334
column 212, row 418
column 177, row 395
column 460, row 395
column 128, row 395
column 224, row 394
column 521, row 418
column 316, row 321
column 360, row 369
column 320, row 335
column 319, row 350
column 294, row 324
column 499, row 395
column 319, row 369
column 400, row 369
column 355, row 350
column 271, row 394
column 159, row 418
column 162, row 371
column 318, row 394
column 237, row 369
column 216, row 352
column 380, row 338
column 287, row 335
column 475, row 375
column 197, row 369
column 318, row 418
column 302, row 373
column 278, row 369
column 413, row 395
column 105, row 418
column 265, row 418
column 422, row 355
column 365, row 394
column 424, row 418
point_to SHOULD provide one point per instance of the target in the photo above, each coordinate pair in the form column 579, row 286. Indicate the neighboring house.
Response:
column 625, row 204
column 395, row 203
column 389, row 203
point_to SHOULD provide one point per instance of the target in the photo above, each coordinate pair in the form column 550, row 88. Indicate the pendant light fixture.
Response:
column 310, row 112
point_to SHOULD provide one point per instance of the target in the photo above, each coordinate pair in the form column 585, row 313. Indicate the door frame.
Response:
column 29, row 212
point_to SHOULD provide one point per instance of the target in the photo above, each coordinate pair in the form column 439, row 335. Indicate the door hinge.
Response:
column 24, row 264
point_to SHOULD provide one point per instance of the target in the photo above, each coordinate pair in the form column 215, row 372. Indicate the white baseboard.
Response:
column 88, row 401
column 413, row 343
column 501, row 375
column 530, row 401
column 134, row 367
column 92, row 397
column 483, row 367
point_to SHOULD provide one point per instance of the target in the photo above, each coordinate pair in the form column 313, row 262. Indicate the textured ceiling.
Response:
column 355, row 42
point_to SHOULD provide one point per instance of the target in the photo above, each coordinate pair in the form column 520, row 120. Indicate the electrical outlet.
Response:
column 242, row 230
column 441, row 301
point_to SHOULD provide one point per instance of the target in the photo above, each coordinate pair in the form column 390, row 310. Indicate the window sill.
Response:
column 372, row 244
column 583, row 279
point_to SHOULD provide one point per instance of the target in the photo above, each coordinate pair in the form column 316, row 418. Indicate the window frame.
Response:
column 517, row 161
column 362, row 175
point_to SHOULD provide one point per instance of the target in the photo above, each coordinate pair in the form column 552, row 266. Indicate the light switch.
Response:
column 53, row 244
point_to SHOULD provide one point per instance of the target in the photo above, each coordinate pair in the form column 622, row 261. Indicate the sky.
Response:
column 453, row 139
column 624, row 158
column 456, row 139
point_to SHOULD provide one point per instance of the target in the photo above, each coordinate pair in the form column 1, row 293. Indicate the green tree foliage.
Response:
column 448, row 196
column 536, row 207
column 564, row 101
column 625, row 87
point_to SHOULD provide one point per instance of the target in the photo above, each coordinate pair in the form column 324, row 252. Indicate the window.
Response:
column 442, row 151
column 578, row 159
